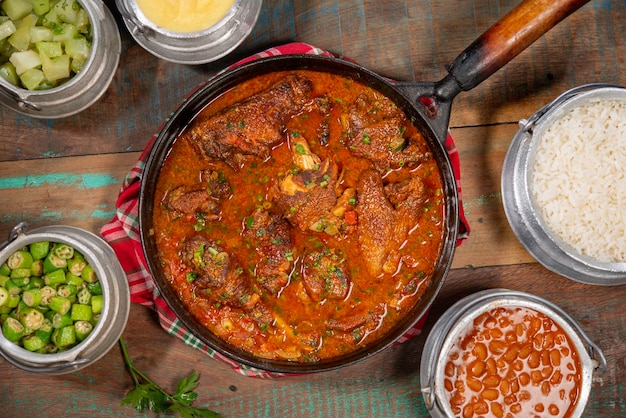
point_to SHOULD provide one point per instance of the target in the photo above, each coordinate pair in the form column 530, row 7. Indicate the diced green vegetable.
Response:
column 65, row 337
column 32, row 297
column 33, row 342
column 32, row 78
column 20, row 40
column 4, row 296
column 31, row 318
column 61, row 320
column 55, row 69
column 20, row 260
column 49, row 49
column 83, row 329
column 89, row 275
column 41, row 7
column 39, row 250
column 7, row 28
column 28, row 26
column 17, row 9
column 97, row 302
column 81, row 312
column 25, row 60
column 55, row 278
column 12, row 329
column 59, row 304
column 53, row 262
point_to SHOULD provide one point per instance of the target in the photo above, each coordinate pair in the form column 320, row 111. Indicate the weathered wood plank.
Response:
column 405, row 40
column 386, row 385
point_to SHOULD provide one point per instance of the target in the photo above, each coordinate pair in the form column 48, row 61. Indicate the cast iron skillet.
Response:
column 507, row 38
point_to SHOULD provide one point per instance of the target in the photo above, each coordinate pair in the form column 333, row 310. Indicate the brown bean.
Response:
column 468, row 411
column 519, row 329
column 457, row 399
column 516, row 408
column 538, row 341
column 504, row 387
column 545, row 388
column 524, row 396
column 514, row 385
column 474, row 384
column 491, row 367
column 496, row 333
column 555, row 357
column 497, row 410
column 524, row 378
column 510, row 354
column 553, row 409
column 536, row 377
column 491, row 381
column 539, row 407
column 480, row 351
column 545, row 358
column 548, row 340
column 525, row 351
column 533, row 327
column 490, row 322
column 546, row 372
column 511, row 399
column 481, row 407
column 490, row 394
column 510, row 337
column 517, row 365
column 477, row 368
column 497, row 346
column 447, row 384
column 449, row 369
column 556, row 378
column 534, row 359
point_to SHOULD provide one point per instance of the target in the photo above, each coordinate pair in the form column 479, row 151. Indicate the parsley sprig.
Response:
column 148, row 394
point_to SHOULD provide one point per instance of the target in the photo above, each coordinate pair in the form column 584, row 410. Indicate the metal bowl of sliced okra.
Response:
column 64, row 299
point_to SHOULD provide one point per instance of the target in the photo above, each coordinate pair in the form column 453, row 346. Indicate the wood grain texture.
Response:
column 69, row 171
column 386, row 385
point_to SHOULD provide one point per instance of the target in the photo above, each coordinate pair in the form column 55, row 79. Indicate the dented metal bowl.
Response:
column 459, row 318
column 522, row 211
column 115, row 309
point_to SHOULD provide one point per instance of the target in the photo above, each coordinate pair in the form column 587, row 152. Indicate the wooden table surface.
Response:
column 69, row 171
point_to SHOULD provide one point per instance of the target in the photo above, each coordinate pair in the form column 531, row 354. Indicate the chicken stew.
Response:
column 299, row 216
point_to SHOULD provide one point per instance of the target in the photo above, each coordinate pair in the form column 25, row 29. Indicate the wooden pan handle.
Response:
column 522, row 26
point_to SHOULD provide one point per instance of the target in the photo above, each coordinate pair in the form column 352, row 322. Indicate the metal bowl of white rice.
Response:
column 564, row 184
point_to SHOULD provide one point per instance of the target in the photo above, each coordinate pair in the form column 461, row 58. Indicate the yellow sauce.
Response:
column 185, row 15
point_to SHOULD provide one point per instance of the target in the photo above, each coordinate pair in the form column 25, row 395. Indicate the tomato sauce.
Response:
column 300, row 330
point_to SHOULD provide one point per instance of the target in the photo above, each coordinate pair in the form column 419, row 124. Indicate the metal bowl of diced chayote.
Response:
column 57, row 57
column 64, row 299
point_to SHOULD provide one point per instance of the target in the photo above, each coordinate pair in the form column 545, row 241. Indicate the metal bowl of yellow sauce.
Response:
column 189, row 32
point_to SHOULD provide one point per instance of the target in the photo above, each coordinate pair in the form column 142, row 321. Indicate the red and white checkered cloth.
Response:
column 122, row 233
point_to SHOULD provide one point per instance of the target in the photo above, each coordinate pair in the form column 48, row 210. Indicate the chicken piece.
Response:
column 274, row 256
column 377, row 132
column 219, row 278
column 192, row 202
column 200, row 199
column 307, row 199
column 251, row 127
column 324, row 275
column 386, row 215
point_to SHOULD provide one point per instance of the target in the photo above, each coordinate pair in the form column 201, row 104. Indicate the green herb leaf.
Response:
column 147, row 394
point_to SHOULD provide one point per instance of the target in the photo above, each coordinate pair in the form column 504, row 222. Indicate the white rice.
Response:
column 579, row 179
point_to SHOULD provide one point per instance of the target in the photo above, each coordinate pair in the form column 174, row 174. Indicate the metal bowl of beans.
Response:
column 506, row 353
column 72, row 307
